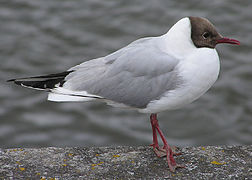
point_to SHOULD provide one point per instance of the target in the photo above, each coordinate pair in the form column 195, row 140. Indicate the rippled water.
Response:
column 40, row 37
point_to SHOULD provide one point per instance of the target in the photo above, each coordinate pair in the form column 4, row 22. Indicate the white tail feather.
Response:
column 60, row 94
column 67, row 98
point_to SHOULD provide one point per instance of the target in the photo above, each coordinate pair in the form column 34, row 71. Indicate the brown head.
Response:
column 204, row 34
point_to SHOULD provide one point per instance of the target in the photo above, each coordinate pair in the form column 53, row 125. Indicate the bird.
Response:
column 150, row 75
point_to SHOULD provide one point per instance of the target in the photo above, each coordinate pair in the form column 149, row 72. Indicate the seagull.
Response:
column 150, row 75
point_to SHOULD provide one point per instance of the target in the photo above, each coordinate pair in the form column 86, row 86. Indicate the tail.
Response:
column 46, row 82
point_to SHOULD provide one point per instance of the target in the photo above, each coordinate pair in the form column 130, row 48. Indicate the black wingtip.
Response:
column 11, row 80
column 15, row 81
column 42, row 82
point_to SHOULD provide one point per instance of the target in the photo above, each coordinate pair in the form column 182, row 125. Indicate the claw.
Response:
column 160, row 153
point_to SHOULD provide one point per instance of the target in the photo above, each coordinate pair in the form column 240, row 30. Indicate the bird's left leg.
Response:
column 159, row 152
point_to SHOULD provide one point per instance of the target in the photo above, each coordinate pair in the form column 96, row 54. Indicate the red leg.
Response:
column 158, row 151
column 153, row 118
column 166, row 149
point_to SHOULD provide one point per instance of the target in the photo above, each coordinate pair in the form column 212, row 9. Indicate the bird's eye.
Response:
column 205, row 35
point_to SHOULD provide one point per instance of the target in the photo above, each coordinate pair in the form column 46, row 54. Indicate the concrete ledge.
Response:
column 210, row 162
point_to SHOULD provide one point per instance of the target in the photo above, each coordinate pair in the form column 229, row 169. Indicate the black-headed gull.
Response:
column 150, row 75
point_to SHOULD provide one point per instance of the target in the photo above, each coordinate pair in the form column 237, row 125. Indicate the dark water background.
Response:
column 46, row 36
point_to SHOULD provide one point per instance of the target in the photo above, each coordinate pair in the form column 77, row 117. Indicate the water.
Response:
column 40, row 37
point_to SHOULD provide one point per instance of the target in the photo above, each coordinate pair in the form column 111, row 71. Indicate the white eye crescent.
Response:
column 205, row 35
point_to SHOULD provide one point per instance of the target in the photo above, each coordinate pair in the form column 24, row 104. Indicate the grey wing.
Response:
column 134, row 76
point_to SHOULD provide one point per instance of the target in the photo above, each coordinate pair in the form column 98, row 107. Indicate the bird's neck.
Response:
column 177, row 41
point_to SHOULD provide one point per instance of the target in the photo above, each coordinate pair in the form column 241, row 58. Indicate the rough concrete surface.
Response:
column 210, row 162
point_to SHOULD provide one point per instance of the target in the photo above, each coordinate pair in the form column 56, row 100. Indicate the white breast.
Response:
column 199, row 71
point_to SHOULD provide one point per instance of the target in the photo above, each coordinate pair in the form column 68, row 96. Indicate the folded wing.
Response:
column 133, row 76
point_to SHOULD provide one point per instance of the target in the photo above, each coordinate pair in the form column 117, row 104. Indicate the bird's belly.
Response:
column 198, row 77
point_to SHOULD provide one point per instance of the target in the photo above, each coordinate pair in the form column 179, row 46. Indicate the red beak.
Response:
column 227, row 40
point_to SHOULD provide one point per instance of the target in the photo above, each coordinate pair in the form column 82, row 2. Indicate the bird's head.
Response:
column 204, row 34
